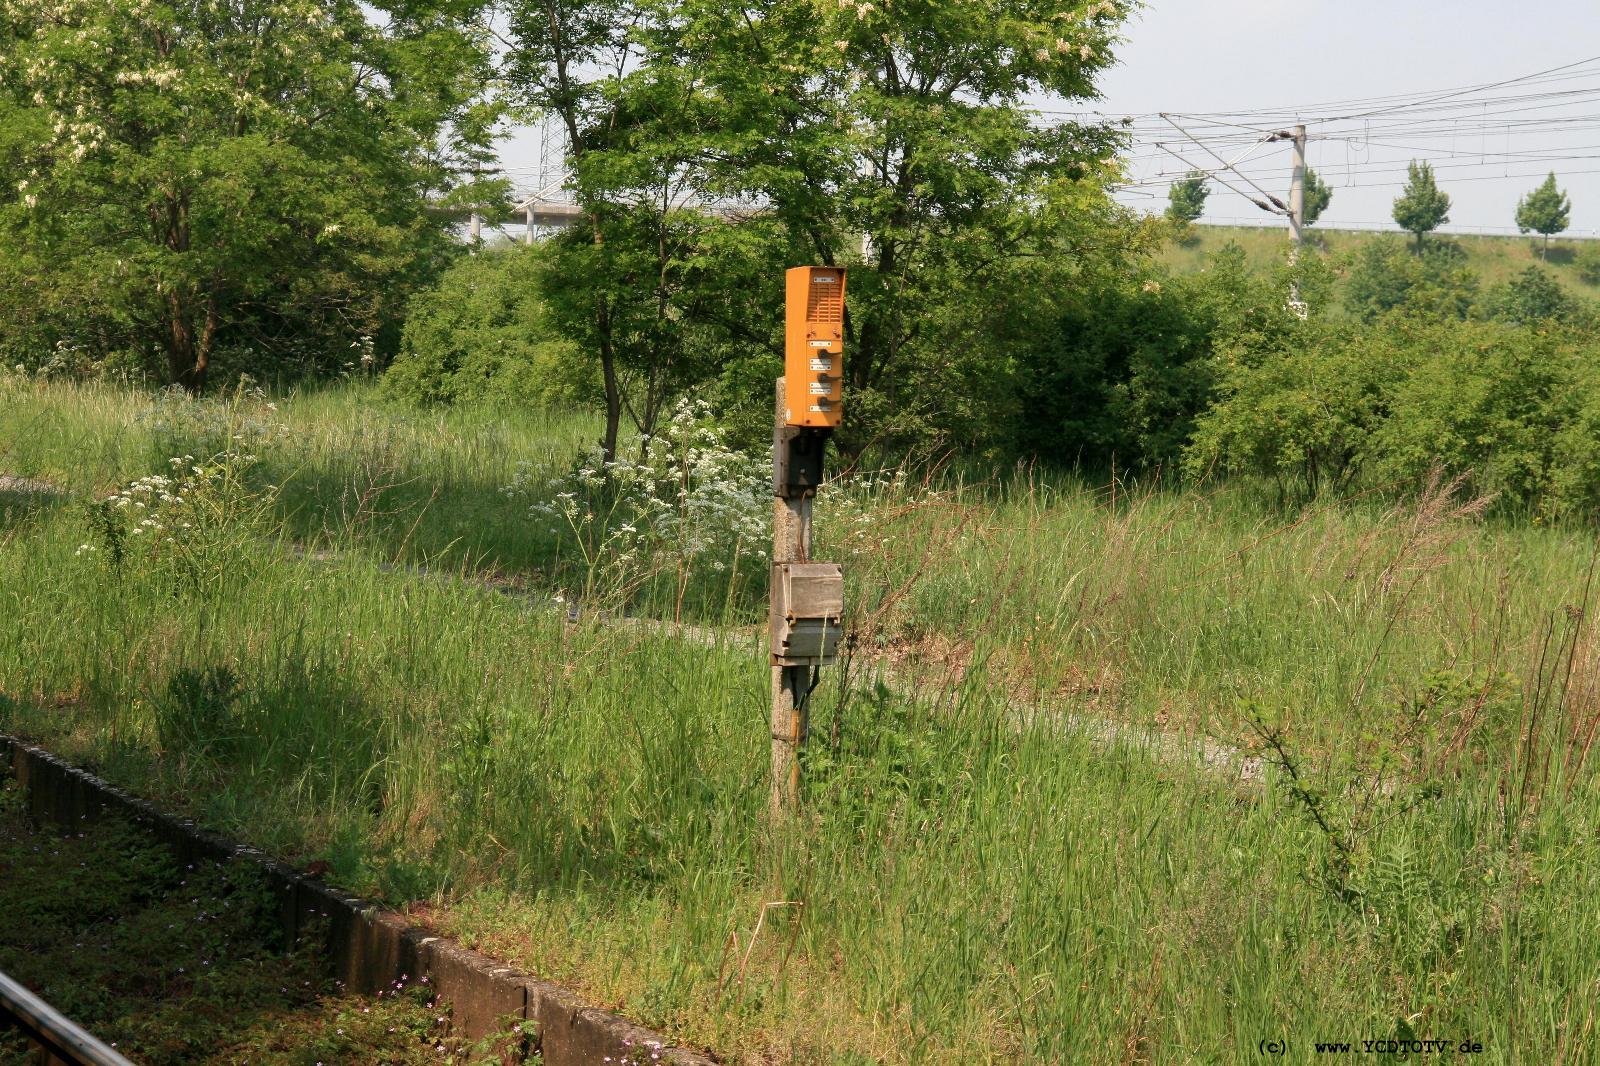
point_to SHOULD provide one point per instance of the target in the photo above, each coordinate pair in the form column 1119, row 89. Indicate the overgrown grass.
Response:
column 353, row 471
column 975, row 877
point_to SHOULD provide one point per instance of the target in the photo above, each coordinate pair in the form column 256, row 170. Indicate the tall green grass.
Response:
column 973, row 878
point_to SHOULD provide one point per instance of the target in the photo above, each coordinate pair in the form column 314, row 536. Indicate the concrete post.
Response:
column 1297, row 189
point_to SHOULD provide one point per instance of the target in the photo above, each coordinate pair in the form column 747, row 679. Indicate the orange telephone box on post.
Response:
column 813, row 346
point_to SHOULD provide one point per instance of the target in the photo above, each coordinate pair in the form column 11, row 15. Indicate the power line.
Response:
column 1396, row 184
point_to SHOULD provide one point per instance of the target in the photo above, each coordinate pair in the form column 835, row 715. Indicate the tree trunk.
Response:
column 189, row 355
column 608, row 370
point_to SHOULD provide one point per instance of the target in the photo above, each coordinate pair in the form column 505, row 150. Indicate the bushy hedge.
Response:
column 1514, row 408
column 1125, row 366
column 1587, row 261
column 483, row 336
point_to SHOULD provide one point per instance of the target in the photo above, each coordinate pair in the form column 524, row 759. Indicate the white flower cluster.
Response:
column 165, row 507
column 184, row 526
column 690, row 501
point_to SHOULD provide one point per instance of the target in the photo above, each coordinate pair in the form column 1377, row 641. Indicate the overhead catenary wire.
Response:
column 1496, row 130
column 1213, row 175
column 1493, row 130
column 1232, row 166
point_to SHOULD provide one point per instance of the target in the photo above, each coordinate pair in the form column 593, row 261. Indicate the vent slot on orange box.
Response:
column 825, row 303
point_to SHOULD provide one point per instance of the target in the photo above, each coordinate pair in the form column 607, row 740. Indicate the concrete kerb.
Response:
column 370, row 948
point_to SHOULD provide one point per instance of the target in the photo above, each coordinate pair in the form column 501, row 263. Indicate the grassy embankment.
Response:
column 589, row 801
column 1493, row 259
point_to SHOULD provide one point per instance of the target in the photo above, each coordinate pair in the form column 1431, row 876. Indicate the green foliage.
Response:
column 1300, row 408
column 483, row 336
column 1118, row 377
column 1505, row 409
column 1384, row 276
column 656, row 293
column 905, row 127
column 1186, row 199
column 1318, row 196
column 1121, row 369
column 1421, row 207
column 1119, row 373
column 1546, row 210
column 259, row 174
column 1533, row 296
column 1587, row 261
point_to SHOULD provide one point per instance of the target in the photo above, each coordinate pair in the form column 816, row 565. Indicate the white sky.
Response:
column 1290, row 60
column 1233, row 55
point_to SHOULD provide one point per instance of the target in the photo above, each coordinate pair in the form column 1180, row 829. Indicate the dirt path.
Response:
column 27, row 486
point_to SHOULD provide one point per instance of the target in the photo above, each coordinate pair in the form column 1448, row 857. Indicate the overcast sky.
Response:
column 1233, row 55
column 1294, row 60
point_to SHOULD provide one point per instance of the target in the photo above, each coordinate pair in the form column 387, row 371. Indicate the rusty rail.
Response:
column 61, row 1039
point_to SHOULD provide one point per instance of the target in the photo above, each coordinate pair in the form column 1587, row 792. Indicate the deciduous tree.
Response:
column 1421, row 207
column 1186, row 199
column 253, row 169
column 1545, row 211
column 626, row 284
column 896, row 138
column 1317, row 197
column 711, row 145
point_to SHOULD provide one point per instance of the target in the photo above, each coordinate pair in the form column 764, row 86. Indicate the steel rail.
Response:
column 63, row 1039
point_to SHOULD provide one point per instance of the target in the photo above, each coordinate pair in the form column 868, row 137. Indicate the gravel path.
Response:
column 28, row 485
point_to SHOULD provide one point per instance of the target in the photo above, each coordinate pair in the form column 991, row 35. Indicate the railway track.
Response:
column 56, row 1039
column 116, row 948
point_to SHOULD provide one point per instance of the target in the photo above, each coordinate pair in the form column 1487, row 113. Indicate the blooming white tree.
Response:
column 199, row 169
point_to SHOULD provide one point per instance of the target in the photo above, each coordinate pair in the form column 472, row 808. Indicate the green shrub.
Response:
column 1532, row 296
column 1587, row 261
column 483, row 336
column 1302, row 409
column 1127, row 365
column 1506, row 407
column 1386, row 274
column 1503, row 406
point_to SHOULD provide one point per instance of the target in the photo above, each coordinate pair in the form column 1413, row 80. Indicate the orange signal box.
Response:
column 813, row 346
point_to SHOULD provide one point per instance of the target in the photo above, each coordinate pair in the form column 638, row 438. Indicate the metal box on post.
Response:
column 813, row 346
column 807, row 605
